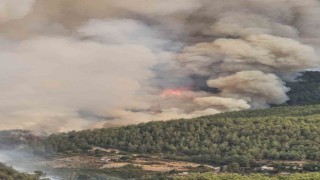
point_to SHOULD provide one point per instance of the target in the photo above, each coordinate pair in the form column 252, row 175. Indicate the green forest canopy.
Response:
column 245, row 137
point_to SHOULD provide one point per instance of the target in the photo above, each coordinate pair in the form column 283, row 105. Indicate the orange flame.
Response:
column 172, row 92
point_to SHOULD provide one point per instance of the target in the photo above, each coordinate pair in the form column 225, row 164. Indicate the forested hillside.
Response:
column 245, row 137
column 306, row 90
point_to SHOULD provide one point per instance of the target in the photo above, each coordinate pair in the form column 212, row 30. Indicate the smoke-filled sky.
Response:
column 77, row 64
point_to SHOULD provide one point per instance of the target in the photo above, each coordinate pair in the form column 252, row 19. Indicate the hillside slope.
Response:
column 306, row 90
column 245, row 137
column 8, row 173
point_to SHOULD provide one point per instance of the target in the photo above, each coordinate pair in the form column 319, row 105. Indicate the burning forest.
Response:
column 77, row 64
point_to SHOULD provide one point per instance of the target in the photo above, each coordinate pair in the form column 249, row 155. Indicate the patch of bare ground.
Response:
column 164, row 166
column 148, row 164
column 114, row 165
column 75, row 162
column 114, row 159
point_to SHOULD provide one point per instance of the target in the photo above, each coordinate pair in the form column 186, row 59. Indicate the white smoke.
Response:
column 14, row 9
column 46, row 81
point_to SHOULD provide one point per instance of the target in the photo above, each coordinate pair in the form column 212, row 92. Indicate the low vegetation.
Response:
column 8, row 173
column 212, row 176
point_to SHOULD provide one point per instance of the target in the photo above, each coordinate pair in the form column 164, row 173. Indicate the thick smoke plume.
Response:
column 76, row 64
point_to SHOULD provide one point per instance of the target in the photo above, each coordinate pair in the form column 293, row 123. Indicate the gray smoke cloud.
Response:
column 14, row 9
column 76, row 64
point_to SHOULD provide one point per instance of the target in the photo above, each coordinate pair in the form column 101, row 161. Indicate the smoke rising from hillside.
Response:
column 80, row 64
